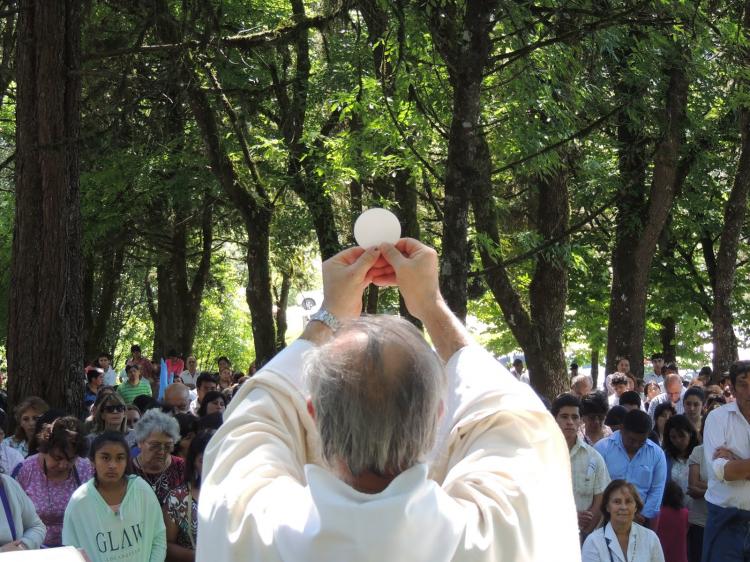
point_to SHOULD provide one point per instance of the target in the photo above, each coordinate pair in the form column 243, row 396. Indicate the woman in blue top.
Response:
column 115, row 516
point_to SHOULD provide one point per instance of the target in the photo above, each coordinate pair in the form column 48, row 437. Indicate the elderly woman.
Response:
column 621, row 539
column 26, row 413
column 50, row 477
column 110, row 416
column 157, row 434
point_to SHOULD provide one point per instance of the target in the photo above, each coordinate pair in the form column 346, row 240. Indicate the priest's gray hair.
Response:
column 376, row 388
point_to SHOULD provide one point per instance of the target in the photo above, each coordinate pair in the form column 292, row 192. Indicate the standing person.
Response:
column 20, row 526
column 206, row 383
column 657, row 365
column 673, row 393
column 157, row 434
column 50, row 477
column 189, row 376
column 594, row 412
column 104, row 362
column 697, row 513
column 726, row 448
column 175, row 364
column 680, row 438
column 26, row 414
column 115, row 516
column 590, row 476
column 631, row 456
column 137, row 359
column 621, row 539
column 651, row 391
column 692, row 404
column 181, row 508
column 662, row 414
column 223, row 362
column 519, row 372
column 134, row 386
column 619, row 386
column 672, row 527
column 344, row 476
column 581, row 386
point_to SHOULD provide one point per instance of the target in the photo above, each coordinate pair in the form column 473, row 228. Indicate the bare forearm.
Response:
column 447, row 333
column 737, row 470
column 177, row 553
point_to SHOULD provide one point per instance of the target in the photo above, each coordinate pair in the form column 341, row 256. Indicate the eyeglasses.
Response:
column 115, row 408
column 155, row 447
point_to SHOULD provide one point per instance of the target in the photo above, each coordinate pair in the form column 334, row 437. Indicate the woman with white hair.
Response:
column 156, row 435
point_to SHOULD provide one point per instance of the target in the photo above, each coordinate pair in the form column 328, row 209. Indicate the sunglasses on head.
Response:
column 114, row 408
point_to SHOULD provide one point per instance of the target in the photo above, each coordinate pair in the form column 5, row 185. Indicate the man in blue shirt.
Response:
column 631, row 456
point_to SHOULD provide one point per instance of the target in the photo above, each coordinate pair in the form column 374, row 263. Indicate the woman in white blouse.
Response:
column 621, row 539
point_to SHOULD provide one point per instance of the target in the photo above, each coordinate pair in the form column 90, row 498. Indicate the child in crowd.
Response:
column 115, row 515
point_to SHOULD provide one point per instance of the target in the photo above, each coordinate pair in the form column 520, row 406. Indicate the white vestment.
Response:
column 497, row 487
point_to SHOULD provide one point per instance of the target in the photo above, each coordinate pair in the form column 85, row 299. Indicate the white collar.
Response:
column 610, row 539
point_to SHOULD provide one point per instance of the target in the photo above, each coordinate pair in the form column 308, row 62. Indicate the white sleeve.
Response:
column 589, row 553
column 500, row 448
column 263, row 441
column 713, row 438
column 34, row 531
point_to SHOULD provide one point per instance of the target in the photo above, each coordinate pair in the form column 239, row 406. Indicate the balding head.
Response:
column 673, row 387
column 376, row 389
column 177, row 395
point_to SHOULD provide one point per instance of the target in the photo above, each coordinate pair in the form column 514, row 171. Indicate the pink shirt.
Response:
column 672, row 531
column 50, row 497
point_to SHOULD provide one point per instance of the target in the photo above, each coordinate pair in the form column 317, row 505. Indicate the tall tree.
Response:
column 641, row 212
column 45, row 345
column 722, row 334
column 461, row 32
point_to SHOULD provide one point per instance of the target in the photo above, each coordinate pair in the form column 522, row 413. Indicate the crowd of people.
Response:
column 643, row 477
column 124, row 482
column 361, row 441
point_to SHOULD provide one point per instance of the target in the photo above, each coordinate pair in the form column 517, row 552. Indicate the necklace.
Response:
column 156, row 483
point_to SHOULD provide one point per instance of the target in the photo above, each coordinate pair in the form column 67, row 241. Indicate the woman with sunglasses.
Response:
column 51, row 476
column 156, row 435
column 115, row 516
column 110, row 416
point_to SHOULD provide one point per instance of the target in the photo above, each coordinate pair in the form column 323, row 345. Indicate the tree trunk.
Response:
column 639, row 224
column 45, row 328
column 539, row 332
column 293, row 109
column 668, row 338
column 282, row 302
column 248, row 196
column 464, row 41
column 99, row 308
column 179, row 298
column 405, row 191
column 722, row 333
column 595, row 367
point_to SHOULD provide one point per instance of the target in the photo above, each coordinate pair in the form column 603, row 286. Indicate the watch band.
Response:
column 326, row 318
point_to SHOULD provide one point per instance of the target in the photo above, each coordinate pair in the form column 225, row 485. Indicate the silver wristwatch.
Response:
column 326, row 318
